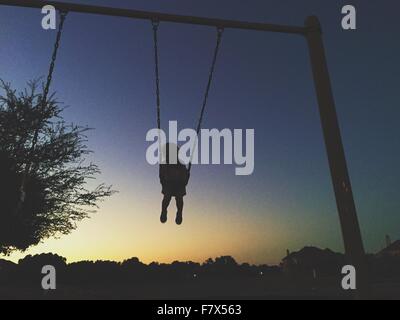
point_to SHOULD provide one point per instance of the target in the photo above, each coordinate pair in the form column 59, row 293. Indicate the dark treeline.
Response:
column 310, row 272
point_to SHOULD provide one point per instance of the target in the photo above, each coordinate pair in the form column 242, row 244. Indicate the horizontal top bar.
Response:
column 135, row 14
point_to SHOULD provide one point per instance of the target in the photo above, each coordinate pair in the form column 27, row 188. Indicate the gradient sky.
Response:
column 263, row 81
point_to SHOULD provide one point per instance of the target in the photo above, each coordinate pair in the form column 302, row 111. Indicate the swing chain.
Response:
column 63, row 16
column 156, row 24
column 42, row 105
column 220, row 32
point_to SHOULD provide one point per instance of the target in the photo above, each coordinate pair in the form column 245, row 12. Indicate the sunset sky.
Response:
column 105, row 74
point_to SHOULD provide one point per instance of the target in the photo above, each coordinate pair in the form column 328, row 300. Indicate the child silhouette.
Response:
column 174, row 177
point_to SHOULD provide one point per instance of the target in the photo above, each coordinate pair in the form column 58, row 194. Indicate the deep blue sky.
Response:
column 263, row 81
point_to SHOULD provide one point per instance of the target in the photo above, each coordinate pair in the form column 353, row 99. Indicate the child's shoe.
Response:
column 179, row 218
column 164, row 217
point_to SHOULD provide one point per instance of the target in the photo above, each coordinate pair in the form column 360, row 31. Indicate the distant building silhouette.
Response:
column 393, row 250
column 311, row 262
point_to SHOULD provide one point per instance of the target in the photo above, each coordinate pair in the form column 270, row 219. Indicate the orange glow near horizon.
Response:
column 119, row 231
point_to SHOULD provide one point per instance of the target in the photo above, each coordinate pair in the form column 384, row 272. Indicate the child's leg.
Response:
column 165, row 203
column 164, row 212
column 179, row 205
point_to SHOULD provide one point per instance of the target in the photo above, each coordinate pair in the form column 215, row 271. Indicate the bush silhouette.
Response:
column 56, row 193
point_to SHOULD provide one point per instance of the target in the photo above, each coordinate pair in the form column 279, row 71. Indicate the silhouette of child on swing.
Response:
column 174, row 177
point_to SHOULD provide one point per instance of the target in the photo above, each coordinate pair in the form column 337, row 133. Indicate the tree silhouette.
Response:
column 57, row 195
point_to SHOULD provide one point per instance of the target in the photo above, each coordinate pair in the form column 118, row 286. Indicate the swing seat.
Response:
column 176, row 174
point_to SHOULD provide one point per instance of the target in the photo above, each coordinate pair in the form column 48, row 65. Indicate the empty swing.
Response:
column 43, row 103
column 175, row 176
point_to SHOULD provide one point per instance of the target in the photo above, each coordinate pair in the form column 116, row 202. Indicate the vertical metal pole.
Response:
column 337, row 161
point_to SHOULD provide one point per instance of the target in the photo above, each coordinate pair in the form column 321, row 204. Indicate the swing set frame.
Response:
column 312, row 33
